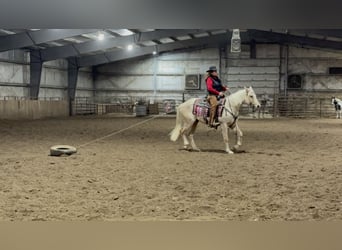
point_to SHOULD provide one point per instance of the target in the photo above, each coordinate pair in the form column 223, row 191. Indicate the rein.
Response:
column 231, row 113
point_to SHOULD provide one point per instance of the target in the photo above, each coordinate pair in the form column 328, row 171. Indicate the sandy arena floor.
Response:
column 291, row 170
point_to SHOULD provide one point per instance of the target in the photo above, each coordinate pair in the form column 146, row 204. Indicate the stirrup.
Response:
column 214, row 125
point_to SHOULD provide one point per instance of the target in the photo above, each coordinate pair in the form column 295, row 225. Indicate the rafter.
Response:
column 273, row 37
column 88, row 47
column 322, row 32
column 31, row 38
column 123, row 54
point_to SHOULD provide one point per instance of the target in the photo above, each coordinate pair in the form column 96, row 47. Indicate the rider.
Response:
column 215, row 92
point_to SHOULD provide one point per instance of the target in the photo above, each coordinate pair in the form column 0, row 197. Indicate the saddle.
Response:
column 201, row 108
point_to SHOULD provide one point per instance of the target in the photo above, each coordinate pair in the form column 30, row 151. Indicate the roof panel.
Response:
column 148, row 43
column 215, row 32
column 183, row 37
column 201, row 35
column 166, row 40
column 122, row 32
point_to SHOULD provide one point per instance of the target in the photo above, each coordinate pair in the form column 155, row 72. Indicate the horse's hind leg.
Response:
column 184, row 133
column 191, row 136
column 185, row 141
column 187, row 134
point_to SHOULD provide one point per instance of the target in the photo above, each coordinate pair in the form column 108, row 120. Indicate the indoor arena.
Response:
column 85, row 126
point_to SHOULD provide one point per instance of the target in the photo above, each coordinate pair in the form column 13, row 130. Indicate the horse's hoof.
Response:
column 196, row 149
column 230, row 152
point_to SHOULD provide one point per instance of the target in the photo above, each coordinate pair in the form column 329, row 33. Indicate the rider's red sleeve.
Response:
column 210, row 88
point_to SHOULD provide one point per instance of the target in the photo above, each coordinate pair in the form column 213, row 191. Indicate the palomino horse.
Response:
column 186, row 121
column 338, row 106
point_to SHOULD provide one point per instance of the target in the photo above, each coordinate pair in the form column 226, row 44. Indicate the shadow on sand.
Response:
column 220, row 151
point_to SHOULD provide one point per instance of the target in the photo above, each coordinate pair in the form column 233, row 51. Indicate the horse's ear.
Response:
column 247, row 89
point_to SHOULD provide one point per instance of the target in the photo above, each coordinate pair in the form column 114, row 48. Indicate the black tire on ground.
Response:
column 58, row 150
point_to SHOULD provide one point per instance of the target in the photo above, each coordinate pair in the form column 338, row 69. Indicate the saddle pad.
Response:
column 201, row 108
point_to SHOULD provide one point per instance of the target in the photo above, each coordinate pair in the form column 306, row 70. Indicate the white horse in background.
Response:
column 186, row 121
column 338, row 106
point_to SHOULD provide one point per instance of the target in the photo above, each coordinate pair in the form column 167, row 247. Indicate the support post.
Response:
column 94, row 78
column 72, row 81
column 253, row 49
column 36, row 64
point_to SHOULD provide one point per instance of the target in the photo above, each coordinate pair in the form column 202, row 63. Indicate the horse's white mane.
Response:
column 241, row 90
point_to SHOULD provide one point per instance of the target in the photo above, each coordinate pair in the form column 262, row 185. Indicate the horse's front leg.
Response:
column 238, row 136
column 225, row 137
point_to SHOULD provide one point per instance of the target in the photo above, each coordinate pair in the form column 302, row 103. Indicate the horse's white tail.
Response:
column 174, row 134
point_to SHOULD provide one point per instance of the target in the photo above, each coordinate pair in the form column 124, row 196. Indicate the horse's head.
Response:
column 251, row 98
column 333, row 100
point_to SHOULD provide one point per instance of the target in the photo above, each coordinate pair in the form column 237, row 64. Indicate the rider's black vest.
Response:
column 217, row 83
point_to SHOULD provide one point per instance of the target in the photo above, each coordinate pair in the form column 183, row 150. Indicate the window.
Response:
column 335, row 71
column 192, row 82
column 294, row 82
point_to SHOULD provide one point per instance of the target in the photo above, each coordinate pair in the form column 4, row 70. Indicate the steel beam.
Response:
column 253, row 49
column 72, row 81
column 323, row 32
column 54, row 53
column 72, row 77
column 35, row 73
column 273, row 37
column 141, row 51
column 30, row 38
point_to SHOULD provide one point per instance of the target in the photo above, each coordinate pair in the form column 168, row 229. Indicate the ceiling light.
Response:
column 130, row 47
column 154, row 52
column 100, row 36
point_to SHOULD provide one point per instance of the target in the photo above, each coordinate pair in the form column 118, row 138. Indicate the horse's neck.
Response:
column 234, row 101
